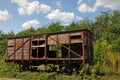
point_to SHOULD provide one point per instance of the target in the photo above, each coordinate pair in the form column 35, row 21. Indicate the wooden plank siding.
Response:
column 72, row 45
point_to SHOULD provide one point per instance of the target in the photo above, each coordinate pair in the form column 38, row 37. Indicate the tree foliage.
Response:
column 29, row 31
column 55, row 27
column 105, row 29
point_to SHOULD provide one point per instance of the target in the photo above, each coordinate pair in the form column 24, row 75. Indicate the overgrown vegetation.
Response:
column 106, row 41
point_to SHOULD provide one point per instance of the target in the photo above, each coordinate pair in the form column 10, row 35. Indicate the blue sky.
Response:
column 18, row 15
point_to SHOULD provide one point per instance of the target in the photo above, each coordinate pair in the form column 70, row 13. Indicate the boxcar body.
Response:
column 67, row 46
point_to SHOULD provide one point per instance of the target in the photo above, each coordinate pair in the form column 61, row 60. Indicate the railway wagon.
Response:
column 66, row 48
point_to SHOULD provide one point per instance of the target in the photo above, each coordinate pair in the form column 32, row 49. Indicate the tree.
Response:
column 107, row 25
column 72, row 26
column 41, row 30
column 29, row 31
column 3, row 41
column 55, row 27
column 1, row 35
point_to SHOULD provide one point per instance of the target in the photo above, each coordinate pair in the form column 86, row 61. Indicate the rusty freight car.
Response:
column 66, row 48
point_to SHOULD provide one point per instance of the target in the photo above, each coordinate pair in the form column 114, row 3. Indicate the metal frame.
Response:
column 85, row 33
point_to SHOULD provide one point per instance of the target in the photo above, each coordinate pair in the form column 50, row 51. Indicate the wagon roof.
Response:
column 53, row 33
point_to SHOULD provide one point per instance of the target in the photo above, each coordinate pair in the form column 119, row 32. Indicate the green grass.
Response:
column 11, row 70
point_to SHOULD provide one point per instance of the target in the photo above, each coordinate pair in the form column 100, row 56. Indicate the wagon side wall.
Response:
column 18, row 49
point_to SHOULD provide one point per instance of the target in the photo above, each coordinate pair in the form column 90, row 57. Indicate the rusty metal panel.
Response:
column 18, row 49
column 18, row 43
column 76, row 37
column 88, row 46
column 76, row 33
column 52, row 39
column 10, row 51
column 21, row 47
column 10, row 42
column 26, row 51
column 76, row 41
column 63, row 38
column 85, row 45
column 18, row 54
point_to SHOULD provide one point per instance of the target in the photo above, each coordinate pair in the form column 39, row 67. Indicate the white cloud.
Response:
column 32, row 7
column 62, row 16
column 4, row 15
column 111, row 4
column 26, row 7
column 44, row 8
column 21, row 11
column 58, row 3
column 31, row 23
column 86, row 8
column 21, row 3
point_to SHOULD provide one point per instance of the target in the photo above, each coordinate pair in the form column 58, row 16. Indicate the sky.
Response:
column 18, row 15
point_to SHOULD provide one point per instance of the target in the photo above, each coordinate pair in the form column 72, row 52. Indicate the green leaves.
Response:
column 29, row 31
column 55, row 27
column 106, row 39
